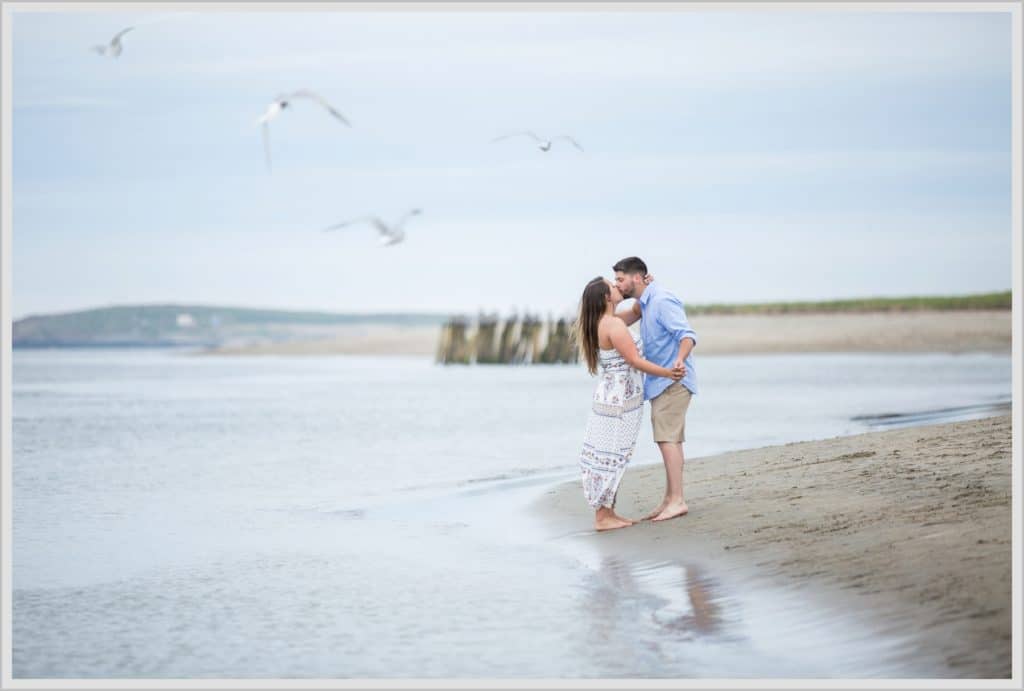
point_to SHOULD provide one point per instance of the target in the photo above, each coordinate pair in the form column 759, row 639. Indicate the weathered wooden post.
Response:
column 536, row 341
column 506, row 349
column 550, row 352
column 527, row 347
column 484, row 341
column 454, row 346
column 567, row 345
column 444, row 343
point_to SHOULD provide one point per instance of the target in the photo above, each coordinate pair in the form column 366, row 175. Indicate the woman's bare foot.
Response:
column 611, row 523
column 606, row 519
column 674, row 509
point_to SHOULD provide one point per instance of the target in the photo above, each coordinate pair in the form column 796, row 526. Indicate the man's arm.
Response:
column 685, row 346
column 672, row 316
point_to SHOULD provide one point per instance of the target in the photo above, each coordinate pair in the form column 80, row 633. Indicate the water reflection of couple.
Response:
column 662, row 354
column 686, row 599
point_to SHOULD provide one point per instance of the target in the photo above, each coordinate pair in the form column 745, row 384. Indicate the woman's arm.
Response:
column 622, row 341
column 630, row 316
column 634, row 313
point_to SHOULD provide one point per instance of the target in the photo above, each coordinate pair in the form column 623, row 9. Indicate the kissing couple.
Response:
column 656, row 365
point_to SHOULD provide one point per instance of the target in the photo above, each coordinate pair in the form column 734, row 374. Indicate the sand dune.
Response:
column 959, row 331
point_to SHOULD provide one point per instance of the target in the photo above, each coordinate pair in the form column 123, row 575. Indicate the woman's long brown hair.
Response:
column 592, row 307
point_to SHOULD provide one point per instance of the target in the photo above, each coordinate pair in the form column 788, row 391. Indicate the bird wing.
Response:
column 570, row 140
column 119, row 34
column 405, row 217
column 102, row 50
column 381, row 227
column 527, row 133
column 306, row 93
column 272, row 110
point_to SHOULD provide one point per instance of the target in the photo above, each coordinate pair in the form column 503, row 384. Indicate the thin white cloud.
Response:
column 692, row 49
column 66, row 102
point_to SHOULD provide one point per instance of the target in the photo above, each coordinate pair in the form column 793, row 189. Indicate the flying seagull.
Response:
column 284, row 101
column 542, row 144
column 389, row 234
column 114, row 49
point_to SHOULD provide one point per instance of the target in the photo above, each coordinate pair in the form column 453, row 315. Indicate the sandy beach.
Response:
column 925, row 331
column 912, row 526
column 369, row 339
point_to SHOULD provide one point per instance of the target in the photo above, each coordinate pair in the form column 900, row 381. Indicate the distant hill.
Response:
column 193, row 325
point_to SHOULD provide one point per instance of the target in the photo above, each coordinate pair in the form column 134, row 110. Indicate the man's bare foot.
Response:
column 676, row 508
column 657, row 511
column 611, row 523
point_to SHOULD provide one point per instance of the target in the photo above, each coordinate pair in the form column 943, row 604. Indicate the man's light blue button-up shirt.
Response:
column 663, row 326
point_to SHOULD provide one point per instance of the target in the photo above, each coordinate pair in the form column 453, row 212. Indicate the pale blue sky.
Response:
column 747, row 156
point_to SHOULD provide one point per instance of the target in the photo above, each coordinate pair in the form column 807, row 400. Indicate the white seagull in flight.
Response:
column 284, row 101
column 390, row 234
column 114, row 49
column 542, row 144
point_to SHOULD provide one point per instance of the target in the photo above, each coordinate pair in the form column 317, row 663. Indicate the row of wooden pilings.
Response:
column 512, row 341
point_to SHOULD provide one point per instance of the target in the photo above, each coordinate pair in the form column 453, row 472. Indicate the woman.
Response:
column 616, row 356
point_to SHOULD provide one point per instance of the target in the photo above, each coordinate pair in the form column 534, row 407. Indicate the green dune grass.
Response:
column 985, row 301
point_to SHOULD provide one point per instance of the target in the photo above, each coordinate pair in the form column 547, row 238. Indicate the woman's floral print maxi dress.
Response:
column 612, row 426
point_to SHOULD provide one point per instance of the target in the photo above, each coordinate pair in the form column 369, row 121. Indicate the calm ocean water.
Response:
column 183, row 516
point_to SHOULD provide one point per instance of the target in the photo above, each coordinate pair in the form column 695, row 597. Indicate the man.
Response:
column 668, row 341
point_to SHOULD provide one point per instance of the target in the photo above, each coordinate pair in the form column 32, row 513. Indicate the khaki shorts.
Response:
column 668, row 413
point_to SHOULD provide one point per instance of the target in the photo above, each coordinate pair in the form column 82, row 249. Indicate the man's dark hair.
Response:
column 631, row 265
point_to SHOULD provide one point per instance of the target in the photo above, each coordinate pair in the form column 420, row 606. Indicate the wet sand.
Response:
column 911, row 526
column 954, row 331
